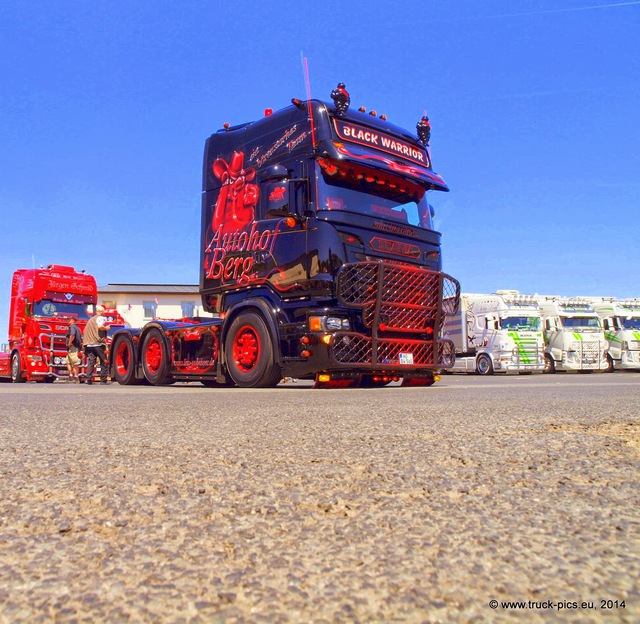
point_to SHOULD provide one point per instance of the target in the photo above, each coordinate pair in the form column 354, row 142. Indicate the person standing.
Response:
column 95, row 343
column 74, row 342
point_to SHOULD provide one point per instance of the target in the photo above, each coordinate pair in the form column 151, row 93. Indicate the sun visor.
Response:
column 349, row 154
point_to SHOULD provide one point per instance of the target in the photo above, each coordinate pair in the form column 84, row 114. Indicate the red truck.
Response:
column 318, row 254
column 42, row 302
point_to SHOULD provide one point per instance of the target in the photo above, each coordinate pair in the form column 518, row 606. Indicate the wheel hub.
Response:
column 246, row 348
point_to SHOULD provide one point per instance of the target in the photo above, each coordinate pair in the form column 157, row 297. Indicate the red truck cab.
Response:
column 42, row 302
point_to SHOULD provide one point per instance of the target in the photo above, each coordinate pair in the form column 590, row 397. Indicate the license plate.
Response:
column 405, row 358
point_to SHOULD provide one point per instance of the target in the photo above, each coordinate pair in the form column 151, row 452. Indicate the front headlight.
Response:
column 328, row 323
column 333, row 323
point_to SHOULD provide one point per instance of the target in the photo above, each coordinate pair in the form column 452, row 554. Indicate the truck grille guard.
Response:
column 588, row 352
column 52, row 347
column 396, row 298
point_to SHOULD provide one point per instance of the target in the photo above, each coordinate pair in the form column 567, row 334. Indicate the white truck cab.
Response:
column 497, row 333
column 573, row 335
column 620, row 320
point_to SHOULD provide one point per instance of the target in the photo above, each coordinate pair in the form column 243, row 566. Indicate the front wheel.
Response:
column 549, row 364
column 249, row 353
column 610, row 367
column 155, row 358
column 484, row 365
column 16, row 369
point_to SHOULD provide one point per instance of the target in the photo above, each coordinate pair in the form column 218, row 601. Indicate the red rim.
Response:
column 246, row 348
column 123, row 358
column 153, row 355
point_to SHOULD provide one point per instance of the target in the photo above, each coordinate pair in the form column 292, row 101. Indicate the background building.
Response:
column 140, row 303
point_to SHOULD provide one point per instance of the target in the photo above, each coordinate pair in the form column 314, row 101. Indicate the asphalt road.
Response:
column 188, row 504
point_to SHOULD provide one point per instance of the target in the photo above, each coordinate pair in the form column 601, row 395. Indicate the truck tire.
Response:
column 249, row 354
column 123, row 365
column 155, row 358
column 16, row 369
column 549, row 365
column 484, row 365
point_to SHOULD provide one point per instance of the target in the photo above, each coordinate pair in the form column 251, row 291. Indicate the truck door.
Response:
column 281, row 256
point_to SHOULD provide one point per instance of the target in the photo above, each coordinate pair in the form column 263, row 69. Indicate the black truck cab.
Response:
column 318, row 258
column 316, row 219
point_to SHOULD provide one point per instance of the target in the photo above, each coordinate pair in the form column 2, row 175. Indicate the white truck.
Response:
column 620, row 320
column 573, row 335
column 496, row 333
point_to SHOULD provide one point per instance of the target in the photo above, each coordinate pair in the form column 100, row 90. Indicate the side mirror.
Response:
column 274, row 173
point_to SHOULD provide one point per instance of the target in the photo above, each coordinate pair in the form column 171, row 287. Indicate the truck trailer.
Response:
column 496, row 333
column 620, row 320
column 574, row 340
column 318, row 257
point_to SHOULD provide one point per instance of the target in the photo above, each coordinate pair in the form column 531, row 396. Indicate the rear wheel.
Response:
column 123, row 361
column 155, row 358
column 249, row 353
column 16, row 369
column 484, row 365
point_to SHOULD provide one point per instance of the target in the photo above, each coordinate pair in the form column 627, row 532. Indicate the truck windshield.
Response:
column 59, row 308
column 377, row 200
column 521, row 322
column 633, row 322
column 580, row 322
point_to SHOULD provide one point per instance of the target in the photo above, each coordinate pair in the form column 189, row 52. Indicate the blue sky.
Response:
column 535, row 107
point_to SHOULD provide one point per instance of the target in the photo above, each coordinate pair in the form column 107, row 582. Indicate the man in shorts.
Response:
column 94, row 341
column 74, row 342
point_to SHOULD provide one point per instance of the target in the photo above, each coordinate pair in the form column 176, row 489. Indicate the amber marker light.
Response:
column 324, row 378
column 290, row 221
column 315, row 323
column 326, row 339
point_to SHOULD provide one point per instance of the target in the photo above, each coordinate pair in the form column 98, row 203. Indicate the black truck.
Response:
column 318, row 258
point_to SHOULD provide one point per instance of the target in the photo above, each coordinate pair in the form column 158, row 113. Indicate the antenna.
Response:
column 307, row 83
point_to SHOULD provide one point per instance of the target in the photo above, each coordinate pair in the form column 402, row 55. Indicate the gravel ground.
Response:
column 187, row 504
